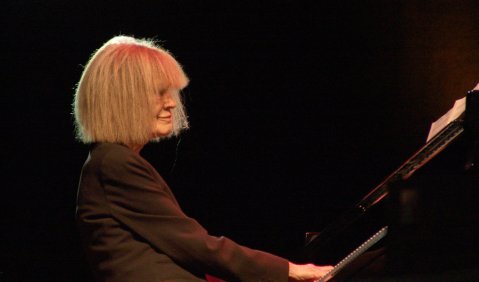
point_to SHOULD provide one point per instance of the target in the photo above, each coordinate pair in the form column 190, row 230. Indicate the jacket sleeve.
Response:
column 144, row 205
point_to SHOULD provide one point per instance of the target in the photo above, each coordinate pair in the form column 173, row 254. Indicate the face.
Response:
column 162, row 108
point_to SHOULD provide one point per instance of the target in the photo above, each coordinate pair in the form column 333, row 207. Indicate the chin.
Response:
column 162, row 134
column 162, row 130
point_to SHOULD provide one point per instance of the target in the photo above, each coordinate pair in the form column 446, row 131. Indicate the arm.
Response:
column 145, row 206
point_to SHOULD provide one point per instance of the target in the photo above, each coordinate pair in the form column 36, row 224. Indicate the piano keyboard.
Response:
column 354, row 254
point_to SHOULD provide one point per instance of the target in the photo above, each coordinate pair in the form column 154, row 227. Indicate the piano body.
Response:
column 427, row 210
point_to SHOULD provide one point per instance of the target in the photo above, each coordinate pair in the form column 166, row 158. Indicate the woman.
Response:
column 131, row 224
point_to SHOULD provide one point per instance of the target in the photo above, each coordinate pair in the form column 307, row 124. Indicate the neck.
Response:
column 136, row 148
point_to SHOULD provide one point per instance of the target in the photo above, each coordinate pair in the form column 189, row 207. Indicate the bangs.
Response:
column 166, row 72
column 160, row 71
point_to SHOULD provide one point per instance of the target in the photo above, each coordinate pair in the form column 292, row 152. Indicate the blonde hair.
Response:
column 117, row 88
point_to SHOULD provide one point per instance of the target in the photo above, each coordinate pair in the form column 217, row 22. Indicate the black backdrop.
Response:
column 297, row 110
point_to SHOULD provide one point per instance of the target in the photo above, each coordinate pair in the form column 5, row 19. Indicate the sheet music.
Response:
column 454, row 113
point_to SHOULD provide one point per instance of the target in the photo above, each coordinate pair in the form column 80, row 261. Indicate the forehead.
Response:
column 166, row 72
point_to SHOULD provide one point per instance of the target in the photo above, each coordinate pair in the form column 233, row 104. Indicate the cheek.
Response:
column 157, row 104
column 156, row 109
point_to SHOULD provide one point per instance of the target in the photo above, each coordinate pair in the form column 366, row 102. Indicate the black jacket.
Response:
column 134, row 230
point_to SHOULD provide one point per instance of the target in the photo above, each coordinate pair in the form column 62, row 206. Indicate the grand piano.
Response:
column 420, row 223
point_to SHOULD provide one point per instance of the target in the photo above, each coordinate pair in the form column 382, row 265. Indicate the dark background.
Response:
column 297, row 110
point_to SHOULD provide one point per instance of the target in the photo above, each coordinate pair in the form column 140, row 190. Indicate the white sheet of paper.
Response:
column 455, row 112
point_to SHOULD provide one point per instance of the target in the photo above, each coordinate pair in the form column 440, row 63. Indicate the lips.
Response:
column 165, row 114
column 167, row 118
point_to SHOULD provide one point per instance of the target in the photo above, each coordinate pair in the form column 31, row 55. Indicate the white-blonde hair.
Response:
column 117, row 88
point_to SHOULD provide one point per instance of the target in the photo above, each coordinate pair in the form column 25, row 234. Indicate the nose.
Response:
column 168, row 101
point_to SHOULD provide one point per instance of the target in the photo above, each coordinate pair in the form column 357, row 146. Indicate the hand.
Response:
column 307, row 272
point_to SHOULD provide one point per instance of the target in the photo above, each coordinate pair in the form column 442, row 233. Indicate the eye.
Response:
column 165, row 91
column 162, row 91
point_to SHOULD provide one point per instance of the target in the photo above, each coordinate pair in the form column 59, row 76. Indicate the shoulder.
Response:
column 111, row 153
column 117, row 159
column 118, row 165
column 109, row 150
